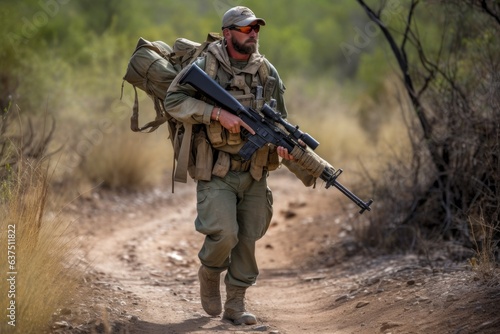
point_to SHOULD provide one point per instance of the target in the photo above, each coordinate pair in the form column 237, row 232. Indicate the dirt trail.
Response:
column 142, row 273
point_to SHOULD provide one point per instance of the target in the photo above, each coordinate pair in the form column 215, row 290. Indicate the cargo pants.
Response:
column 233, row 213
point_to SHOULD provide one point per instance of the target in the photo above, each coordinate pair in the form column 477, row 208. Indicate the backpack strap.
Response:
column 134, row 119
column 268, row 81
column 263, row 72
column 180, row 173
column 211, row 65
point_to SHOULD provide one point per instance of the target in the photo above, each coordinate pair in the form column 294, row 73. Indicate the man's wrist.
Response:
column 216, row 113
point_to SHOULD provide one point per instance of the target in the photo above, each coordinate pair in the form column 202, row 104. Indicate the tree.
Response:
column 454, row 176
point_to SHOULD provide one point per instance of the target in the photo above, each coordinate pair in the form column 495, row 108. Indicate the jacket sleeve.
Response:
column 182, row 104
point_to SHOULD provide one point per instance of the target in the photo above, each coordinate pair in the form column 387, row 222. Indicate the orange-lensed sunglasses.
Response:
column 246, row 29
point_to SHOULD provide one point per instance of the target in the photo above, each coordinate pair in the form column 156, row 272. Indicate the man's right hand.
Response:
column 230, row 121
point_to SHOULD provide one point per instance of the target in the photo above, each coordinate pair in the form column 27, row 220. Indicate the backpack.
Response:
column 152, row 68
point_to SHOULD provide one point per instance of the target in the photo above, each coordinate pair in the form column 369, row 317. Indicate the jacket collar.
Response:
column 218, row 49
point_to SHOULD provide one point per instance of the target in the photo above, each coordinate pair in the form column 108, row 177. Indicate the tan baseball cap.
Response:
column 240, row 16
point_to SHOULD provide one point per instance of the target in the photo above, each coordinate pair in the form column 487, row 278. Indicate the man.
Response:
column 234, row 204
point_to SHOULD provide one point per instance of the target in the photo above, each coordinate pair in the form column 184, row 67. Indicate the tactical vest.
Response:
column 251, row 91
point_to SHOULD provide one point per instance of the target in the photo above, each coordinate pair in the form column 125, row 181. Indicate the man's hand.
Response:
column 230, row 122
column 283, row 152
column 233, row 124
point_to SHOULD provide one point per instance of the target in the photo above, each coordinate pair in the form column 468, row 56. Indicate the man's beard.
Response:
column 247, row 49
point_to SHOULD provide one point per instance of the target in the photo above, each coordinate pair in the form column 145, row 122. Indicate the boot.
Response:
column 210, row 290
column 234, row 308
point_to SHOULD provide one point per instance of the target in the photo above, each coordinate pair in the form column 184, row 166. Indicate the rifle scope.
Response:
column 293, row 130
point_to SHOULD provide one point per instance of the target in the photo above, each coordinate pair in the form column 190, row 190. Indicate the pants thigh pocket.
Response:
column 269, row 209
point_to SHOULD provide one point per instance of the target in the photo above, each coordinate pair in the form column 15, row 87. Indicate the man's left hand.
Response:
column 283, row 152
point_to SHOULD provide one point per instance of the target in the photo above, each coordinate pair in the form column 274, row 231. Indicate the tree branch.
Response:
column 403, row 65
column 485, row 7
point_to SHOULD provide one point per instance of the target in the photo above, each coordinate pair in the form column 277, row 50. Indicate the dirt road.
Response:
column 141, row 256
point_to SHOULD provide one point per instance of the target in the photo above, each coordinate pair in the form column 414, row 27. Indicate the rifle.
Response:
column 267, row 131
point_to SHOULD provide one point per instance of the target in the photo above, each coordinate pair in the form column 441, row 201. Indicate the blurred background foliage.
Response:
column 66, row 59
column 52, row 49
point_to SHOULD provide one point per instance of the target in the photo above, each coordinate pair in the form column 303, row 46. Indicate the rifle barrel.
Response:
column 330, row 177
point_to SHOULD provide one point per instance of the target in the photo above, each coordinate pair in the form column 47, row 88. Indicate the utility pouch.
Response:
column 269, row 88
column 259, row 161
column 246, row 100
column 216, row 134
column 273, row 159
column 222, row 164
column 203, row 157
column 233, row 139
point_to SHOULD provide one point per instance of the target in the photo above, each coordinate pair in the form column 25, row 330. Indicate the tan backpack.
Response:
column 152, row 68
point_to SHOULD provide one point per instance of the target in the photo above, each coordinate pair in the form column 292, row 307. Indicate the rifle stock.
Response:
column 266, row 130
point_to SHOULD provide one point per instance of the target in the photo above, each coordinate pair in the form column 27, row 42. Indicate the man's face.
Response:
column 245, row 43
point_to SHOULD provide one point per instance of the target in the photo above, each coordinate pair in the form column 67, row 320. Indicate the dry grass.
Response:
column 45, row 276
column 485, row 247
column 126, row 160
column 339, row 125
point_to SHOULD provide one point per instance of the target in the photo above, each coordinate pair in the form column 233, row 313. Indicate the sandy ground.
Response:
column 140, row 257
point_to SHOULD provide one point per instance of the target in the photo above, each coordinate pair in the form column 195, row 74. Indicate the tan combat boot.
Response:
column 210, row 290
column 234, row 308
